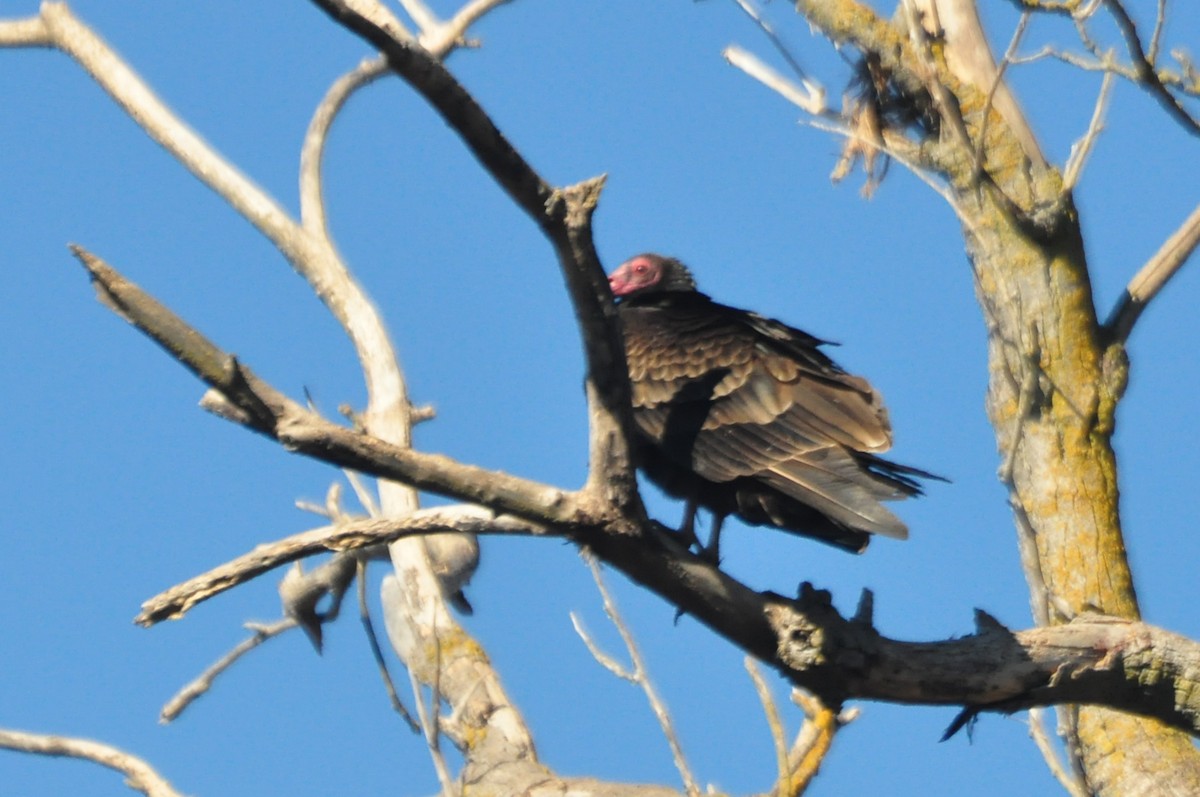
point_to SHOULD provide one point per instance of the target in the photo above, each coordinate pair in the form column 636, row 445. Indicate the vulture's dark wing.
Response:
column 731, row 395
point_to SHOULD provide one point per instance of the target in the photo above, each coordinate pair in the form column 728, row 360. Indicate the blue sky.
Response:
column 116, row 485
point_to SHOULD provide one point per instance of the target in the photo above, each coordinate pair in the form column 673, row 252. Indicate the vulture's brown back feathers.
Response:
column 745, row 415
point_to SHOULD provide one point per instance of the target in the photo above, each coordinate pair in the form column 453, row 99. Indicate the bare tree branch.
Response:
column 139, row 775
column 750, row 10
column 364, row 615
column 638, row 675
column 346, row 536
column 312, row 153
column 442, row 38
column 1145, row 70
column 809, row 98
column 1083, row 148
column 1037, row 731
column 775, row 723
column 248, row 400
column 1153, row 277
column 28, row 32
column 815, row 739
column 1003, row 671
column 204, row 681
column 564, row 217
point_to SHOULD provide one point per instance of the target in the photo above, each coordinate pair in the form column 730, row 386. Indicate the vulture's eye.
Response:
column 639, row 268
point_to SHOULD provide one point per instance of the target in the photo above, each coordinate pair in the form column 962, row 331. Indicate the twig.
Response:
column 1037, row 730
column 1153, row 277
column 749, row 9
column 28, row 32
column 810, row 97
column 441, row 39
column 775, row 723
column 1145, row 68
column 637, row 675
column 312, row 151
column 364, row 614
column 421, row 14
column 348, row 536
column 815, row 738
column 946, row 105
column 920, row 172
column 362, row 492
column 1083, row 148
column 603, row 659
column 1160, row 22
column 204, row 682
column 430, row 726
column 140, row 776
column 998, row 81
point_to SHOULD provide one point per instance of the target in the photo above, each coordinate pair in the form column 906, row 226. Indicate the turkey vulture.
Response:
column 744, row 415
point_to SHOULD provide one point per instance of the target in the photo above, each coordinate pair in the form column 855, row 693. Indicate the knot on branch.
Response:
column 801, row 641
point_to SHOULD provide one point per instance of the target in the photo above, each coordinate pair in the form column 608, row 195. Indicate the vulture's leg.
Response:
column 712, row 551
column 687, row 529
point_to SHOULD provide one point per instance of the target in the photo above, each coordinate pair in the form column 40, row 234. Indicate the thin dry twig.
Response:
column 637, row 675
column 603, row 659
column 1068, row 780
column 946, row 105
column 809, row 97
column 1153, row 277
column 1145, row 69
column 442, row 38
column 1083, row 148
column 364, row 494
column 1009, row 54
column 750, row 10
column 364, row 614
column 428, row 717
column 312, row 151
column 1160, row 22
column 139, row 775
column 775, row 723
column 205, row 680
column 340, row 537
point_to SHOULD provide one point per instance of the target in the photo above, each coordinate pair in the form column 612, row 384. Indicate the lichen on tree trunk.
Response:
column 1053, row 391
column 1055, row 380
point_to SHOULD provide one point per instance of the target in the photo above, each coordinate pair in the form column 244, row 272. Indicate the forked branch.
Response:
column 638, row 675
column 564, row 217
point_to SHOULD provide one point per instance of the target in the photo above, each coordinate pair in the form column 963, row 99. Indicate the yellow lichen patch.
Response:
column 1115, row 744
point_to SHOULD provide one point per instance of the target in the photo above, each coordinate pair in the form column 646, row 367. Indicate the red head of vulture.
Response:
column 745, row 416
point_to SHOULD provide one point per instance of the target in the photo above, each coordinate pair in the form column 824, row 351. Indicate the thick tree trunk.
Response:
column 1055, row 381
column 1052, row 396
